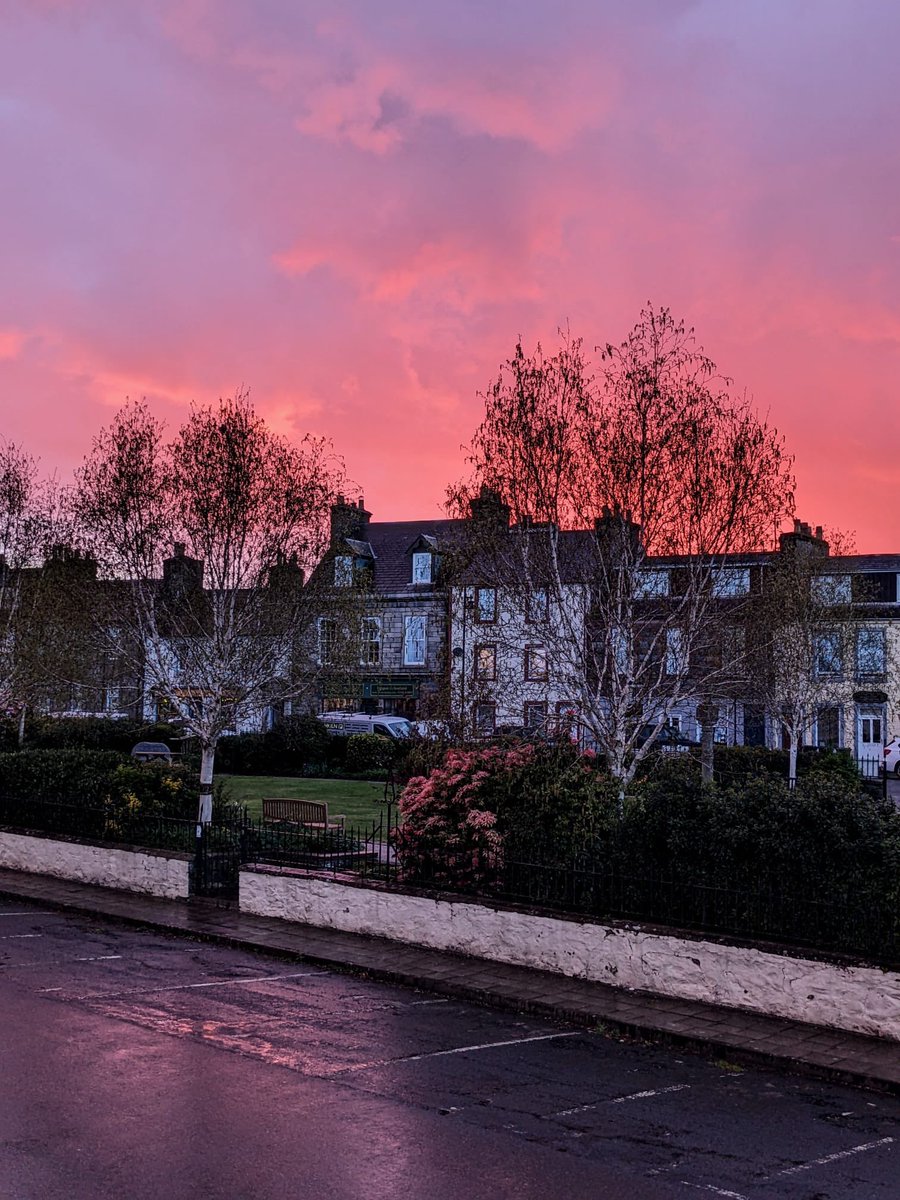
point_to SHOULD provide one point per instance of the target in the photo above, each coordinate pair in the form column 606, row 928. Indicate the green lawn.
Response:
column 359, row 800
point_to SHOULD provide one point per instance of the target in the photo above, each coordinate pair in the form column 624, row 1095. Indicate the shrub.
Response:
column 89, row 733
column 98, row 779
column 369, row 752
column 449, row 833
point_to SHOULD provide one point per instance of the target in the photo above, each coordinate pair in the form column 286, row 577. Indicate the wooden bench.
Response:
column 300, row 812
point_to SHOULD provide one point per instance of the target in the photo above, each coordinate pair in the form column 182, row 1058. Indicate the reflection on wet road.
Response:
column 141, row 1065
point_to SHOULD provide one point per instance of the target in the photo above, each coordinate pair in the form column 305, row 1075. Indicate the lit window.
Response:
column 343, row 570
column 486, row 662
column 421, row 568
column 414, row 641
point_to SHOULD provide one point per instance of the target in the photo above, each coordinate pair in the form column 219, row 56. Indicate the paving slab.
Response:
column 737, row 1035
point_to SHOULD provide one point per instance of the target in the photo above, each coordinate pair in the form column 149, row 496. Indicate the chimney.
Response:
column 286, row 574
column 617, row 533
column 181, row 572
column 349, row 520
column 488, row 511
column 803, row 541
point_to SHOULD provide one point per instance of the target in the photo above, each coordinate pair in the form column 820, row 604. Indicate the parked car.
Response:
column 892, row 756
column 344, row 724
column 152, row 752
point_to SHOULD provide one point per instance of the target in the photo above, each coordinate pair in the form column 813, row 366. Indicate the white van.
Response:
column 344, row 724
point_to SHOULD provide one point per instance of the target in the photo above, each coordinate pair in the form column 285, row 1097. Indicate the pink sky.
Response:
column 355, row 209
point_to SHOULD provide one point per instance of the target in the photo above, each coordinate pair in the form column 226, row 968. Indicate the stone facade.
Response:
column 144, row 871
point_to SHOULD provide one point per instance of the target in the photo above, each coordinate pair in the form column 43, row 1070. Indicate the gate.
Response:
column 218, row 855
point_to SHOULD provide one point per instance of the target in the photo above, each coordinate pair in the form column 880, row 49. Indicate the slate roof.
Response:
column 391, row 541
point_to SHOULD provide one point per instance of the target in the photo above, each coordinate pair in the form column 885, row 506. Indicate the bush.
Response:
column 98, row 779
column 449, row 833
column 369, row 752
column 88, row 733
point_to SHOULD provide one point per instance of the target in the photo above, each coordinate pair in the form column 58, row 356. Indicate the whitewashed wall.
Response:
column 861, row 999
column 107, row 866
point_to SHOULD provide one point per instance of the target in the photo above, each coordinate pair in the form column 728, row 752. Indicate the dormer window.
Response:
column 343, row 570
column 422, row 567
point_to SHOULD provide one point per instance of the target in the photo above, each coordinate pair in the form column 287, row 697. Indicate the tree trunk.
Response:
column 21, row 728
column 792, row 761
column 708, row 716
column 207, row 761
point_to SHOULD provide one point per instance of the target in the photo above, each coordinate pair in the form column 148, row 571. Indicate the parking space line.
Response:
column 675, row 1087
column 8, row 937
column 182, row 987
column 31, row 912
column 830, row 1158
column 409, row 1058
column 61, row 962
column 708, row 1187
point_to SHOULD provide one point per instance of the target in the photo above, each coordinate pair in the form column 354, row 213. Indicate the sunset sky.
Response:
column 355, row 208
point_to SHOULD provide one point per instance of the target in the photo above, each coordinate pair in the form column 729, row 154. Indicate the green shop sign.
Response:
column 386, row 688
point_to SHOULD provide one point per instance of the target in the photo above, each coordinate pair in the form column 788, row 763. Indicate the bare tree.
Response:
column 213, row 531
column 630, row 492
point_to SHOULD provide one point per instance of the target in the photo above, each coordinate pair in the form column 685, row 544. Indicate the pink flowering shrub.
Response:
column 449, row 829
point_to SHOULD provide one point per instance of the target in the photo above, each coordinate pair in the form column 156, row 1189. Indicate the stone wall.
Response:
column 861, row 999
column 149, row 872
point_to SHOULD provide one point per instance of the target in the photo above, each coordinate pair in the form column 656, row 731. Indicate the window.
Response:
column 538, row 606
column 676, row 652
column 831, row 589
column 486, row 605
column 870, row 652
column 414, row 641
column 370, row 642
column 875, row 587
column 343, row 570
column 536, row 663
column 485, row 718
column 731, row 581
column 486, row 662
column 535, row 713
column 827, row 656
column 649, row 584
column 327, row 640
column 828, row 727
column 421, row 568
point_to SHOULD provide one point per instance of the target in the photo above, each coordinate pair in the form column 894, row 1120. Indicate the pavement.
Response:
column 719, row 1033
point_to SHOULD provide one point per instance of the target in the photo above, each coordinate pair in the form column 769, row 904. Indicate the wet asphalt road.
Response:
column 133, row 1065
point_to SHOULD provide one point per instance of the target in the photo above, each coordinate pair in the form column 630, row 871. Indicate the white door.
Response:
column 870, row 738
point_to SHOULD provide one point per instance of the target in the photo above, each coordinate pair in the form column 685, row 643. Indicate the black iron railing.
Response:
column 852, row 919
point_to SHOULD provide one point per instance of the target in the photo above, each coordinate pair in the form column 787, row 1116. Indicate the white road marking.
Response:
column 31, row 912
column 388, row 1062
column 60, row 962
column 181, row 987
column 830, row 1158
column 708, row 1187
column 8, row 937
column 676, row 1087
column 422, row 1003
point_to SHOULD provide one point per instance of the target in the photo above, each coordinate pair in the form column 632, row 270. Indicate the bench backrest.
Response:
column 304, row 812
